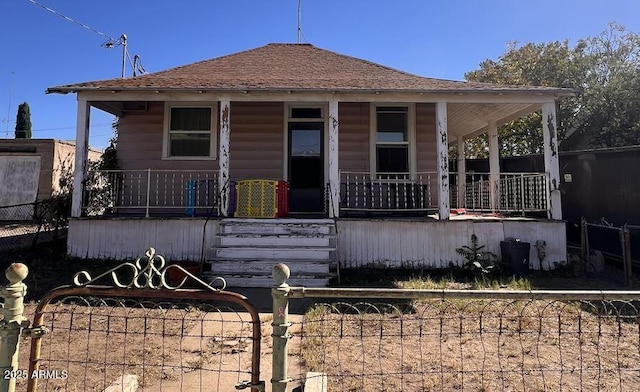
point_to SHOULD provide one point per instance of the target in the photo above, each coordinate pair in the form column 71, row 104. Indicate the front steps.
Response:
column 247, row 249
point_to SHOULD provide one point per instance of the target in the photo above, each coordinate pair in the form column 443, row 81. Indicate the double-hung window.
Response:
column 392, row 139
column 190, row 132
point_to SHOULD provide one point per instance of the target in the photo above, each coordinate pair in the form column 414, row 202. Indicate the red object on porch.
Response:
column 282, row 195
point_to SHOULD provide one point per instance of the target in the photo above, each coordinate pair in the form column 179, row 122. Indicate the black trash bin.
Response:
column 516, row 254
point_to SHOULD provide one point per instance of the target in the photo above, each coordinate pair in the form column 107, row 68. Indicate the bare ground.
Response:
column 210, row 349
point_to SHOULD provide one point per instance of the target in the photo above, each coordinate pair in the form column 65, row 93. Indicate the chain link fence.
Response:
column 26, row 225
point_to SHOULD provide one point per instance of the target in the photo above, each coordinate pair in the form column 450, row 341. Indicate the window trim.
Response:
column 373, row 136
column 213, row 139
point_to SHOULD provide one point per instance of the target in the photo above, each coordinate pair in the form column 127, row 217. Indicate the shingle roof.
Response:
column 289, row 67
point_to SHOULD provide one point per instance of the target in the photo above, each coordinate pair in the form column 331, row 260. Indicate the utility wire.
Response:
column 110, row 40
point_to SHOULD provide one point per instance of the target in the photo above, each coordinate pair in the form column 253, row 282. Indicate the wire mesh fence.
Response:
column 25, row 225
column 157, row 345
column 471, row 344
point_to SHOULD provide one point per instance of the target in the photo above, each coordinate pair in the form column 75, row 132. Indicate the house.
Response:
column 30, row 170
column 363, row 149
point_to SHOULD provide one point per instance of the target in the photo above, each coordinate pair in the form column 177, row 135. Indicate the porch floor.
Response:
column 468, row 215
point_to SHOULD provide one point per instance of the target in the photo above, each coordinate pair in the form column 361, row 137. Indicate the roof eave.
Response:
column 559, row 92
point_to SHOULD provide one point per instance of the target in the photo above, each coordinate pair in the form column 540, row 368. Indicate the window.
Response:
column 303, row 112
column 392, row 139
column 190, row 132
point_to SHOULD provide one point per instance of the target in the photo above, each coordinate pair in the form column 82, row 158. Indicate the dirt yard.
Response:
column 177, row 347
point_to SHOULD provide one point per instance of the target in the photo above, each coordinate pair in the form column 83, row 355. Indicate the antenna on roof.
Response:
column 299, row 21
column 9, row 109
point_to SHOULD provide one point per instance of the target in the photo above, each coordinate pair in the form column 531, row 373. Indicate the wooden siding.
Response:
column 257, row 140
column 426, row 137
column 126, row 239
column 353, row 136
column 361, row 243
column 140, row 137
column 414, row 244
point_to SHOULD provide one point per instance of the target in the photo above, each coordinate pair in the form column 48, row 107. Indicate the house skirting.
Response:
column 361, row 243
column 419, row 244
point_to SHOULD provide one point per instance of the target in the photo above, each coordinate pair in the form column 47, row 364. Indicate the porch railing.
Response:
column 360, row 191
column 180, row 192
column 516, row 192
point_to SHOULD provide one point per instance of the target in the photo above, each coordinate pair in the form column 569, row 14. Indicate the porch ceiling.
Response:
column 464, row 119
column 467, row 120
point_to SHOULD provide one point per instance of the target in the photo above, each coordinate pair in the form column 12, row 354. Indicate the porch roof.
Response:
column 294, row 67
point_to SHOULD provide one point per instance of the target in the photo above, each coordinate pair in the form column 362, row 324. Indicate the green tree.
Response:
column 604, row 70
column 23, row 122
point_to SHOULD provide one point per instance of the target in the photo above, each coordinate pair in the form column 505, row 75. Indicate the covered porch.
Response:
column 339, row 187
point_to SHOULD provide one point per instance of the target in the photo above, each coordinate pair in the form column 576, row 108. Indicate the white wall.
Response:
column 361, row 243
column 416, row 244
column 128, row 238
column 19, row 176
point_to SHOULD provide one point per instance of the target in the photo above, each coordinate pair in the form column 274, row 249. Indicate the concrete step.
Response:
column 265, row 267
column 276, row 226
column 280, row 254
column 258, row 240
column 248, row 280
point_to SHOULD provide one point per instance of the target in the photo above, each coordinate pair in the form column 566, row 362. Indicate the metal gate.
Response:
column 154, row 326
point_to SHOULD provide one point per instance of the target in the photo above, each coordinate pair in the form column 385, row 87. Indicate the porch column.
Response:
column 334, row 173
column 82, row 151
column 551, row 162
column 462, row 177
column 223, row 157
column 442, row 149
column 494, row 166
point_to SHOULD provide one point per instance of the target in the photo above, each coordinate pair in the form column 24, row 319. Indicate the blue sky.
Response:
column 435, row 38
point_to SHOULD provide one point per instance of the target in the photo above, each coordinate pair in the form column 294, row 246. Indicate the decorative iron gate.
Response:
column 146, row 329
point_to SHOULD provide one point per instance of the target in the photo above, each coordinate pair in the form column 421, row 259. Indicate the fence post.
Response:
column 146, row 214
column 11, row 325
column 626, row 253
column 280, row 324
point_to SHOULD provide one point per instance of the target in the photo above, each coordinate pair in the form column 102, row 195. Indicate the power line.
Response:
column 110, row 40
column 109, row 43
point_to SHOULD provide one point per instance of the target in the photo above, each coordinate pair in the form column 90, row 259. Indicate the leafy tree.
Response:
column 604, row 70
column 23, row 122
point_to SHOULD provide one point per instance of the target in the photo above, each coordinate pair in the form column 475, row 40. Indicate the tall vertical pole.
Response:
column 9, row 107
column 123, row 41
column 462, row 174
column 223, row 156
column 299, row 21
column 82, row 151
column 11, row 325
column 494, row 166
column 551, row 159
column 280, row 325
column 334, row 173
column 442, row 149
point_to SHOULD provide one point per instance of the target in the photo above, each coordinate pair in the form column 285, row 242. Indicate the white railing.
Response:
column 360, row 191
column 516, row 192
column 182, row 192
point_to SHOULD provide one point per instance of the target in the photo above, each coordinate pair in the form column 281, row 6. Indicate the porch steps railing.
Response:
column 246, row 248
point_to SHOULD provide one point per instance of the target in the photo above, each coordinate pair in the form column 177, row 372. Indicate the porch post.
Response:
column 223, row 156
column 462, row 177
column 334, row 173
column 551, row 161
column 494, row 166
column 442, row 149
column 82, row 151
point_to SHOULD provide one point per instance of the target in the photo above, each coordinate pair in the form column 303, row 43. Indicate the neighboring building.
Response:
column 363, row 148
column 30, row 171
